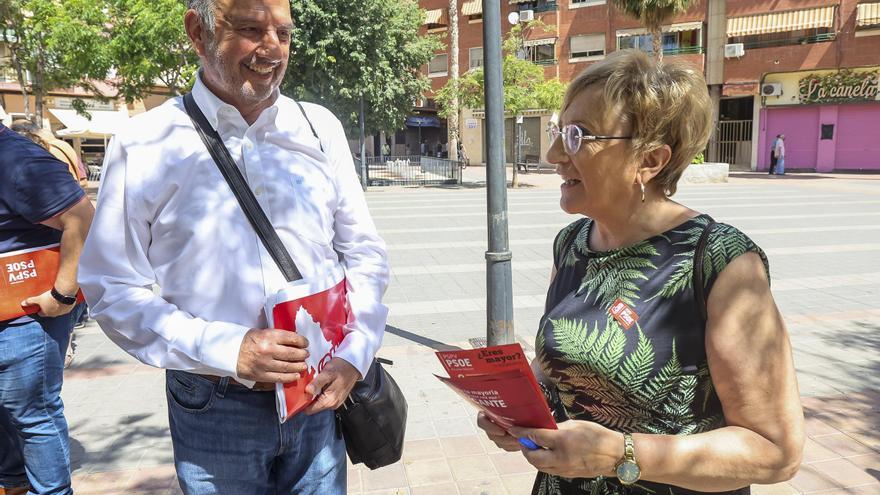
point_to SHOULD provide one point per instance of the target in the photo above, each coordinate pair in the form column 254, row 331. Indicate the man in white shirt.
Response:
column 166, row 217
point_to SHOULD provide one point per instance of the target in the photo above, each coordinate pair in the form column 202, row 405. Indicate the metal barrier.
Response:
column 412, row 170
column 732, row 142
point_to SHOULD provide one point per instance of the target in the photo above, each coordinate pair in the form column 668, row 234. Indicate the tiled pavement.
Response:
column 822, row 236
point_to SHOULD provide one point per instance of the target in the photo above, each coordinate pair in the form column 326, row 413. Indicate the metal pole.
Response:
column 499, row 287
column 363, row 146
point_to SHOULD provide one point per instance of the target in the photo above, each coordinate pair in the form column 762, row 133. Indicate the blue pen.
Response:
column 525, row 442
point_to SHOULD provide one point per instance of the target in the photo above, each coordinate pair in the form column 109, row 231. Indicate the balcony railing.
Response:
column 545, row 62
column 800, row 40
column 684, row 50
column 546, row 7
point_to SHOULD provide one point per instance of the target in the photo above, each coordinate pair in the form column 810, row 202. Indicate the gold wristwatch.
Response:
column 628, row 470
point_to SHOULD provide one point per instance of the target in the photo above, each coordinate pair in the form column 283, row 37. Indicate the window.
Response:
column 679, row 39
column 542, row 52
column 587, row 45
column 536, row 5
column 475, row 57
column 7, row 72
column 576, row 4
column 439, row 65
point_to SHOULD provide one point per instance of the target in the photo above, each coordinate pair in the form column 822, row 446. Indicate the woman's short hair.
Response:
column 664, row 103
column 29, row 130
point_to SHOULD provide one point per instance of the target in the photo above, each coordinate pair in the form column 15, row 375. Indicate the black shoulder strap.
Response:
column 255, row 214
column 303, row 110
column 699, row 255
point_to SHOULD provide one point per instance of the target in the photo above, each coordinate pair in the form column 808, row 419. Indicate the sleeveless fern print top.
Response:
column 623, row 340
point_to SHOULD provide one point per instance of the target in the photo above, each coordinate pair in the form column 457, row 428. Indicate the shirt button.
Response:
column 248, row 146
column 258, row 191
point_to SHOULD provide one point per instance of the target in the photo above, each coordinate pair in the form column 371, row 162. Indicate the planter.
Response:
column 705, row 173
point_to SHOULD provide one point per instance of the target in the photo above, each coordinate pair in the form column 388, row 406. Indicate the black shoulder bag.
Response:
column 373, row 417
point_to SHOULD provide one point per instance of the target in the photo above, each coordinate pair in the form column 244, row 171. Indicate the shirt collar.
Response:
column 212, row 106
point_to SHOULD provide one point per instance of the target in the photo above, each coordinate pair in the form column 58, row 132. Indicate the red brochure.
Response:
column 319, row 311
column 27, row 273
column 498, row 381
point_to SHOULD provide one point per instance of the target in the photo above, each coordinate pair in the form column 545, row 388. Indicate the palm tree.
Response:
column 452, row 120
column 653, row 14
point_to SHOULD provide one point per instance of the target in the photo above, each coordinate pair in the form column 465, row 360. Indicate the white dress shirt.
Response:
column 167, row 217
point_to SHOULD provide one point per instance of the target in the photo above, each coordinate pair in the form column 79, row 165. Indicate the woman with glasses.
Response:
column 668, row 361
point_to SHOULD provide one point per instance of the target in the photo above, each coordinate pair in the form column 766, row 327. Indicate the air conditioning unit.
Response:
column 771, row 89
column 734, row 50
column 526, row 15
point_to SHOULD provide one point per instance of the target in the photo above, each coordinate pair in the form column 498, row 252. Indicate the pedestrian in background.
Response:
column 674, row 373
column 780, row 154
column 40, row 205
column 774, row 159
column 167, row 217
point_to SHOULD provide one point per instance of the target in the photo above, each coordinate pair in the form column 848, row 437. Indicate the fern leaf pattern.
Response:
column 648, row 373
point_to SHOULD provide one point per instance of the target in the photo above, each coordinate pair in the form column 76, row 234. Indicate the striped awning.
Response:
column 793, row 20
column 672, row 28
column 513, row 2
column 542, row 41
column 434, row 17
column 474, row 7
column 868, row 14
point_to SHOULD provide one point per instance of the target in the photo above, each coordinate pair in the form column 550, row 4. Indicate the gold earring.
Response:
column 642, row 186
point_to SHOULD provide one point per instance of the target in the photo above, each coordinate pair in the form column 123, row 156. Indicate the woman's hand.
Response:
column 497, row 434
column 578, row 449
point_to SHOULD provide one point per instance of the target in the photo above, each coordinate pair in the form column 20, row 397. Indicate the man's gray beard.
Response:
column 231, row 80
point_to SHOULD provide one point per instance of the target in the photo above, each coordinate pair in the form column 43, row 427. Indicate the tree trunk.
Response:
column 453, row 120
column 22, row 82
column 39, row 91
column 514, row 181
column 657, row 40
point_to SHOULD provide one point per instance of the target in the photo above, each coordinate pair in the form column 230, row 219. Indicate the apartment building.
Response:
column 808, row 69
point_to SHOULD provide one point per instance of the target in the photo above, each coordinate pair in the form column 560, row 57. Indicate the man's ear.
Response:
column 195, row 31
column 654, row 162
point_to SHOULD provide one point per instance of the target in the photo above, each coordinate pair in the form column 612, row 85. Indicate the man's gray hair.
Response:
column 205, row 9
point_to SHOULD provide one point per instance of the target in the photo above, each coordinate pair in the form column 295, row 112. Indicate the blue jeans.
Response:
column 227, row 439
column 34, row 445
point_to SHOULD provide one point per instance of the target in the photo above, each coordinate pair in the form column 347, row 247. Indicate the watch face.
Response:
column 628, row 472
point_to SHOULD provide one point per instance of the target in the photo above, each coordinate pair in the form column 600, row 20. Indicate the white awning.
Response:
column 4, row 116
column 102, row 124
column 780, row 22
column 672, row 28
column 474, row 7
column 434, row 17
column 542, row 41
column 868, row 14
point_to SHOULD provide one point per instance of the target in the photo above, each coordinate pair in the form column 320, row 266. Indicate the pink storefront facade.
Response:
column 823, row 137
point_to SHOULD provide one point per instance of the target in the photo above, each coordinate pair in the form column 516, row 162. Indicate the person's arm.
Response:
column 117, row 279
column 74, row 226
column 751, row 365
column 366, row 270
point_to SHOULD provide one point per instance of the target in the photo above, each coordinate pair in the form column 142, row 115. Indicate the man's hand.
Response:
column 49, row 306
column 332, row 385
column 271, row 355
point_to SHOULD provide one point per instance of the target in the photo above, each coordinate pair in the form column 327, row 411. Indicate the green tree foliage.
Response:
column 653, row 14
column 524, row 84
column 55, row 44
column 149, row 46
column 342, row 50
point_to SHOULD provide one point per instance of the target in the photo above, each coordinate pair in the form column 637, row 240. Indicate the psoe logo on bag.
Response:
column 320, row 350
column 625, row 315
column 18, row 272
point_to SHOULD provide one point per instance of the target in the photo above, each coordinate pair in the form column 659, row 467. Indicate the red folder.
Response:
column 27, row 273
column 319, row 311
column 498, row 381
